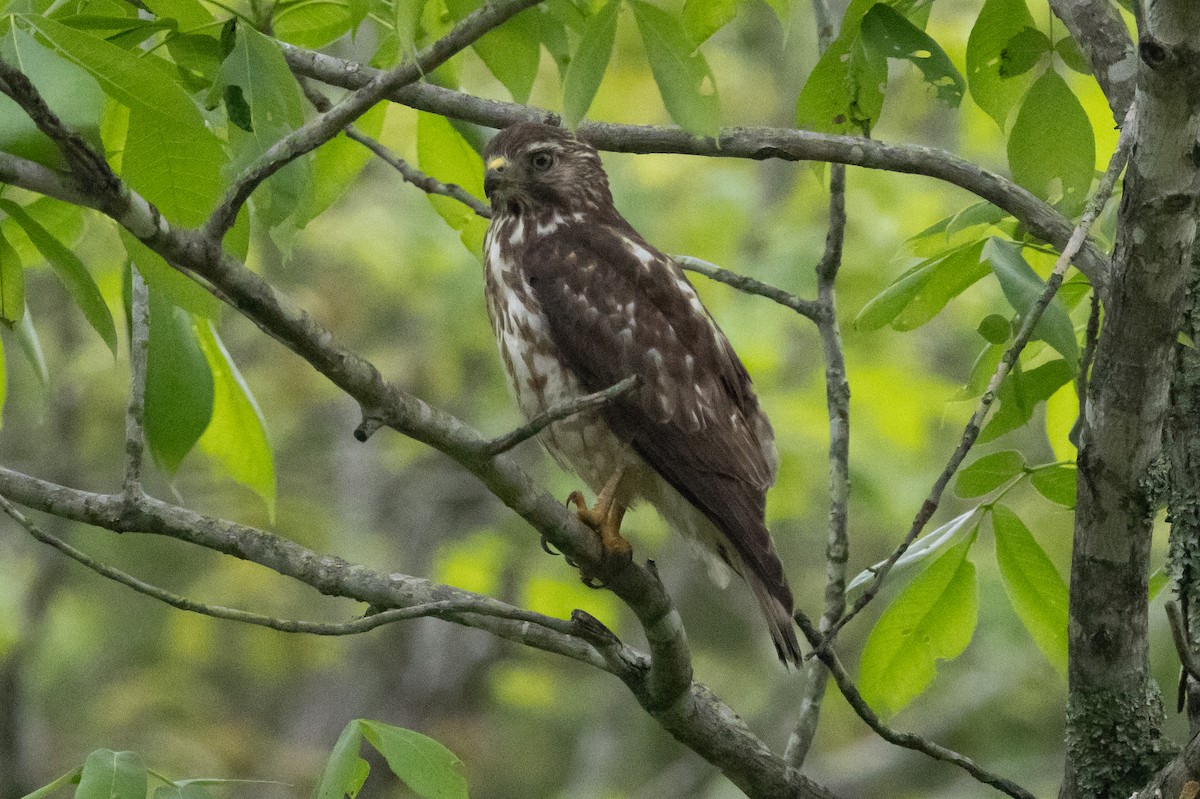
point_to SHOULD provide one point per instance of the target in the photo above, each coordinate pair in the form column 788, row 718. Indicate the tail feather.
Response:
column 778, row 612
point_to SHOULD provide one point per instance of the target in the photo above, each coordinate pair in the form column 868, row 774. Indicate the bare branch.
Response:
column 139, row 348
column 907, row 740
column 750, row 285
column 1104, row 41
column 571, row 407
column 1096, row 204
column 408, row 172
column 452, row 609
column 753, row 143
column 324, row 127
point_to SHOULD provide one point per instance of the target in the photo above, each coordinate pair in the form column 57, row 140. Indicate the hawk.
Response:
column 578, row 302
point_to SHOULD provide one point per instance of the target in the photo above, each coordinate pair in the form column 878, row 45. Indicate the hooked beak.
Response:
column 494, row 177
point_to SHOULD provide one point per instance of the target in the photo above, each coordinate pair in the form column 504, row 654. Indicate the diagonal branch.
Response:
column 753, row 143
column 324, row 127
column 907, row 740
column 806, row 308
column 572, row 407
column 1095, row 205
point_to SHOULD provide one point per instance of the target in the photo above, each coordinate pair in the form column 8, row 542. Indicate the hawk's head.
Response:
column 535, row 166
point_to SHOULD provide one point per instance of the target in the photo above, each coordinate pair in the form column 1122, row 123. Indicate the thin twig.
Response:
column 1095, row 205
column 408, row 172
column 139, row 348
column 321, row 129
column 492, row 448
column 806, row 308
column 907, row 740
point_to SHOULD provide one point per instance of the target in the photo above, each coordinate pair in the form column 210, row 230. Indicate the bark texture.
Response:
column 1114, row 715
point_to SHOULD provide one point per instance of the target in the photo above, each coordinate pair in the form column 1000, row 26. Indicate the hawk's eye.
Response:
column 541, row 160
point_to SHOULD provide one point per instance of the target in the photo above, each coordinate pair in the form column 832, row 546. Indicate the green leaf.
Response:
column 1023, row 52
column 12, row 283
column 1157, row 582
column 844, row 92
column 179, row 385
column 1022, row 288
column 891, row 34
column 703, row 18
column 995, row 329
column 1034, row 587
column 1020, row 394
column 989, row 473
column 190, row 14
column 70, row 271
column 921, row 550
column 921, row 292
column 586, row 69
column 236, row 438
column 973, row 216
column 406, row 16
column 31, row 346
column 932, row 619
column 256, row 66
column 1051, row 149
column 336, row 164
column 687, row 85
column 428, row 768
column 510, row 52
column 112, row 775
column 341, row 776
column 69, row 91
column 1068, row 51
column 1056, row 483
column 445, row 154
column 312, row 23
column 170, row 156
column 997, row 23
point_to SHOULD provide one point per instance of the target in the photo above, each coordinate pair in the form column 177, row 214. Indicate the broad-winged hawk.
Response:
column 579, row 301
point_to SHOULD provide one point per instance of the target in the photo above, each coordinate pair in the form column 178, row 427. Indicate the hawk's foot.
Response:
column 605, row 519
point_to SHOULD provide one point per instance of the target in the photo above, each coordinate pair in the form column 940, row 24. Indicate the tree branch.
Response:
column 139, row 348
column 806, row 308
column 537, row 424
column 1104, row 41
column 324, row 127
column 451, row 609
column 1095, row 204
column 907, row 740
column 752, row 143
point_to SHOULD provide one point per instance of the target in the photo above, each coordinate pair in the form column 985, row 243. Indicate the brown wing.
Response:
column 618, row 307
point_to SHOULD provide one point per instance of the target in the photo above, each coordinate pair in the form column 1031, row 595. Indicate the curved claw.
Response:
column 549, row 550
column 593, row 582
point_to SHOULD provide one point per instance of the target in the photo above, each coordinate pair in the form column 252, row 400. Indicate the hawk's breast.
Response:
column 537, row 374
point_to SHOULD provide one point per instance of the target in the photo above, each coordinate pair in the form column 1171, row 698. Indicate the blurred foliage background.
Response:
column 85, row 663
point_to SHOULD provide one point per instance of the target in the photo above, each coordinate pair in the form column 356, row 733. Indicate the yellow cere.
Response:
column 497, row 162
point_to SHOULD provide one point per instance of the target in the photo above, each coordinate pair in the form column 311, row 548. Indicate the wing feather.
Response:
column 618, row 307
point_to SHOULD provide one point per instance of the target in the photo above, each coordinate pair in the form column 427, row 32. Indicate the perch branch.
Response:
column 324, row 127
column 1187, row 658
column 1104, row 41
column 753, row 143
column 1095, row 204
column 907, row 740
